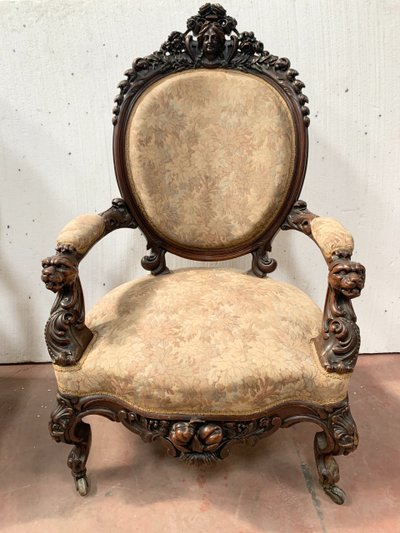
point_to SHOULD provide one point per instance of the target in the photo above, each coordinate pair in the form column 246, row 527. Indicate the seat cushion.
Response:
column 204, row 342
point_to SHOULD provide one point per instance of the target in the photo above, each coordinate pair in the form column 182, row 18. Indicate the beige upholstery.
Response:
column 331, row 236
column 204, row 342
column 210, row 155
column 82, row 232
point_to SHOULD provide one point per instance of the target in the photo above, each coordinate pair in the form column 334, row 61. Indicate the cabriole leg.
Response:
column 65, row 427
column 339, row 437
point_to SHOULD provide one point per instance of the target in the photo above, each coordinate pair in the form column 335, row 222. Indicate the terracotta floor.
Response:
column 135, row 487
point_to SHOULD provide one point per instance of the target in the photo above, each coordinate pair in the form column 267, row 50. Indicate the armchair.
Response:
column 210, row 151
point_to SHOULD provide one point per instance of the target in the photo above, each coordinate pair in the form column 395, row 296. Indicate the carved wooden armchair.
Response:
column 210, row 151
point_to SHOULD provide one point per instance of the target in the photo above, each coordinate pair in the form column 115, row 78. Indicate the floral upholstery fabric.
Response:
column 82, row 232
column 331, row 236
column 195, row 137
column 204, row 342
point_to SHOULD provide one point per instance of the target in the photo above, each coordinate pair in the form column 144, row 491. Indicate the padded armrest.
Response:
column 340, row 338
column 331, row 237
column 66, row 334
column 82, row 232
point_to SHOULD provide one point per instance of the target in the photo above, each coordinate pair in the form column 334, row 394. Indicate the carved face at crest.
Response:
column 211, row 39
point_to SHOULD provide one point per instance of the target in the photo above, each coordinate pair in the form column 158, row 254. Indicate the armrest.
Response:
column 67, row 336
column 339, row 343
column 82, row 233
column 331, row 237
column 85, row 230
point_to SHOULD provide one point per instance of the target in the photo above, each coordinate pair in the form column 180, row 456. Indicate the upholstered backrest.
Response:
column 210, row 156
column 210, row 143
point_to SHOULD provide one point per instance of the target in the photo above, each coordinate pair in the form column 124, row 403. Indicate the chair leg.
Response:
column 65, row 426
column 339, row 437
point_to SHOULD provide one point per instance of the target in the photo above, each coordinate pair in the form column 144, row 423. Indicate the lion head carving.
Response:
column 347, row 277
column 59, row 271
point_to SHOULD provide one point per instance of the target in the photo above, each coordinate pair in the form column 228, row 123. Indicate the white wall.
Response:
column 60, row 64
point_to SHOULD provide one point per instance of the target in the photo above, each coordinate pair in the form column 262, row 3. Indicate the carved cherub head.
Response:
column 347, row 277
column 211, row 40
column 59, row 271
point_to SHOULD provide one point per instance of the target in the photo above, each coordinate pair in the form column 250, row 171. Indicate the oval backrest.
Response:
column 210, row 144
column 210, row 156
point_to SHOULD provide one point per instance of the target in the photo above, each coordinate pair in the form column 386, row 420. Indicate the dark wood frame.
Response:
column 197, row 440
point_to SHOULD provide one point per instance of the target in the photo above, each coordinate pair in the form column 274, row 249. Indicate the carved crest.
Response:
column 211, row 40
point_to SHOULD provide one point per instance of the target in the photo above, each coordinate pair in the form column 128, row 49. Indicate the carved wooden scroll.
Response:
column 339, row 344
column 341, row 335
column 66, row 335
column 155, row 261
column 262, row 264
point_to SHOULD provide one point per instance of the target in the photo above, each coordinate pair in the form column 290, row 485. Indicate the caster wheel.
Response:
column 82, row 486
column 335, row 493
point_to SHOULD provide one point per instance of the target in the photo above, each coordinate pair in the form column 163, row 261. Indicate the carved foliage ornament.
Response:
column 65, row 331
column 197, row 441
column 262, row 264
column 61, row 419
column 211, row 40
column 340, row 436
column 344, row 430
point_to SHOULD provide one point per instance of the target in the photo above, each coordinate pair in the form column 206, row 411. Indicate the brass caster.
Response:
column 82, row 485
column 336, row 494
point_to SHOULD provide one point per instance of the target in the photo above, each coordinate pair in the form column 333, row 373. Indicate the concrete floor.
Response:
column 136, row 487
